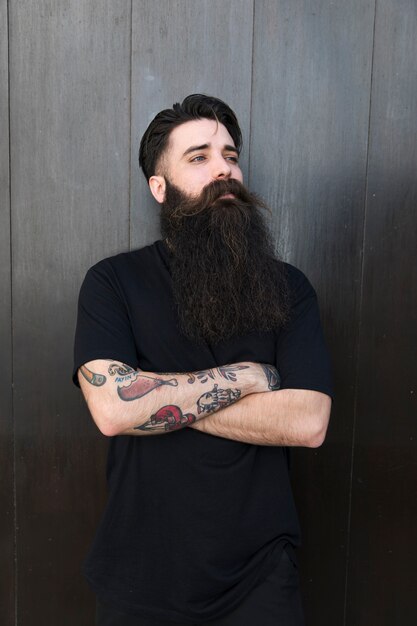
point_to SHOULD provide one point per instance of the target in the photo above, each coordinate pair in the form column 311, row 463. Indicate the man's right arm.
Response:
column 122, row 400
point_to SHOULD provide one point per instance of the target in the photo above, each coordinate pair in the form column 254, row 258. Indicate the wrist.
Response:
column 261, row 377
column 254, row 379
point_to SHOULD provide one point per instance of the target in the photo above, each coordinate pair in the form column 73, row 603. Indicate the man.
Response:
column 178, row 349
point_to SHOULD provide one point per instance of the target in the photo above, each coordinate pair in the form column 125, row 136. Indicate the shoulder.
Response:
column 124, row 264
column 118, row 274
column 126, row 260
column 301, row 297
column 299, row 286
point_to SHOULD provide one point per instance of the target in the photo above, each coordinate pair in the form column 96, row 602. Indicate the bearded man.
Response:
column 202, row 358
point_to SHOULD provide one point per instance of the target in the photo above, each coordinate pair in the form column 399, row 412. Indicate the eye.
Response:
column 198, row 159
column 233, row 158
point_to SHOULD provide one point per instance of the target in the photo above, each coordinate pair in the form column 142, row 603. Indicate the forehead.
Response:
column 198, row 133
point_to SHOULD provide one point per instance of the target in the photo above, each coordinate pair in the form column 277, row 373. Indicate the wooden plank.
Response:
column 7, row 575
column 311, row 85
column 382, row 579
column 178, row 48
column 69, row 72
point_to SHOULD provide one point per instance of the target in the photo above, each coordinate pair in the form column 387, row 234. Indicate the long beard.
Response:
column 226, row 279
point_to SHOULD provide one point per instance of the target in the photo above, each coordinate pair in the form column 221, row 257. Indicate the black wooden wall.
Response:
column 326, row 92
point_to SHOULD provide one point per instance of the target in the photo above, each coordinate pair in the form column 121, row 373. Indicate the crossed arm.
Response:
column 238, row 401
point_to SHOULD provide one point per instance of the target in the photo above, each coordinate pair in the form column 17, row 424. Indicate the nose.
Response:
column 221, row 168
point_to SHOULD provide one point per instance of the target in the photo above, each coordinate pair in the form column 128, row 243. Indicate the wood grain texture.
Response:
column 85, row 81
column 179, row 48
column 69, row 73
column 383, row 552
column 311, row 84
column 7, row 572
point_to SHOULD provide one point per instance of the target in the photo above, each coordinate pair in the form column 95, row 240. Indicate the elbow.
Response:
column 104, row 420
column 107, row 429
column 316, row 439
column 105, row 426
column 317, row 433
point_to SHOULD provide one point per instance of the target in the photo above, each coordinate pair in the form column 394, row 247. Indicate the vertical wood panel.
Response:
column 71, row 163
column 383, row 552
column 7, row 575
column 70, row 72
column 312, row 69
column 179, row 48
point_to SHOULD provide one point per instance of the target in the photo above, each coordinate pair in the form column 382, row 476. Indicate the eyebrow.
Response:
column 204, row 146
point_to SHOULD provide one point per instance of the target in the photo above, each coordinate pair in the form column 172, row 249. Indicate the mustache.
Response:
column 212, row 193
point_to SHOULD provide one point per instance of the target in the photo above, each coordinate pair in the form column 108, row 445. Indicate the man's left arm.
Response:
column 298, row 414
column 288, row 417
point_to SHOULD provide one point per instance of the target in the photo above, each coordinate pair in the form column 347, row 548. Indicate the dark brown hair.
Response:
column 194, row 107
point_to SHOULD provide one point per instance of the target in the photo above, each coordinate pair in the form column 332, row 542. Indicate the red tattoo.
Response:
column 143, row 385
column 169, row 417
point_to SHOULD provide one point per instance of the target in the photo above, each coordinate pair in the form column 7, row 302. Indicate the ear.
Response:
column 157, row 186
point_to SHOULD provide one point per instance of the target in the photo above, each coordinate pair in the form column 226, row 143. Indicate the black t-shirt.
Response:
column 193, row 522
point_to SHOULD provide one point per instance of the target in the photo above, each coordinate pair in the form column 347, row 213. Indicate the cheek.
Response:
column 237, row 174
column 196, row 182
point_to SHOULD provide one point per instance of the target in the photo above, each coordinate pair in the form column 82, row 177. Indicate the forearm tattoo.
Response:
column 224, row 371
column 171, row 417
column 139, row 384
column 272, row 376
column 167, row 418
column 143, row 385
column 97, row 380
column 217, row 399
column 122, row 372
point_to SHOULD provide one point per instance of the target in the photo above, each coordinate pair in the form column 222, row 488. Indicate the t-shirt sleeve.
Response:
column 103, row 328
column 303, row 360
